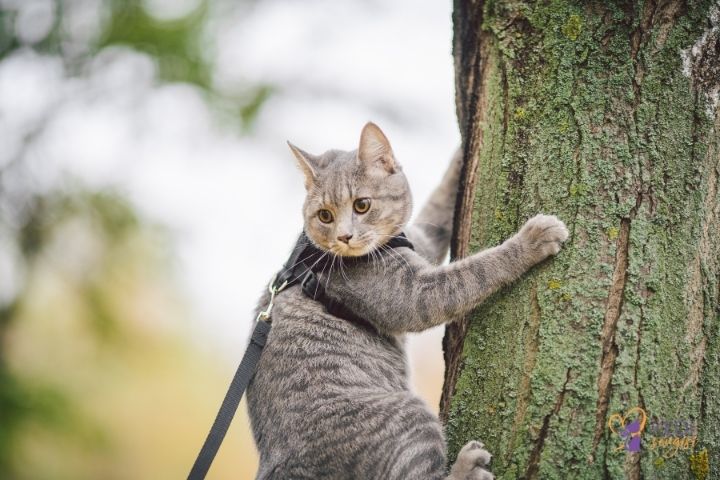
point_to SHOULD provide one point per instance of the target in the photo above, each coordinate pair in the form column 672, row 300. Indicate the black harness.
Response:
column 305, row 261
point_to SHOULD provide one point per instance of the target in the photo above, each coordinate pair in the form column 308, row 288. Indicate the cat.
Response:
column 330, row 399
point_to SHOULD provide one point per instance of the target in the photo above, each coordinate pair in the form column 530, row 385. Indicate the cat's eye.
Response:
column 325, row 216
column 362, row 205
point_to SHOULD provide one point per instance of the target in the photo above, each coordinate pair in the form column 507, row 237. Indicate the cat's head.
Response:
column 356, row 201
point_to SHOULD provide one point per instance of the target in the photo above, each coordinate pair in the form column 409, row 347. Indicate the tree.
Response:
column 605, row 114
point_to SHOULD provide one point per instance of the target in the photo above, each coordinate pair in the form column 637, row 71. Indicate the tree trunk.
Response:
column 606, row 115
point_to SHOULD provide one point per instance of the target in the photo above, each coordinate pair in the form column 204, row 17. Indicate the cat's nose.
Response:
column 345, row 238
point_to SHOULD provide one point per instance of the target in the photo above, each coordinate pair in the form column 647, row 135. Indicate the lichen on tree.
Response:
column 614, row 136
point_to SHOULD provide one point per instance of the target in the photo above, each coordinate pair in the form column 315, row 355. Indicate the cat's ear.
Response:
column 375, row 150
column 305, row 161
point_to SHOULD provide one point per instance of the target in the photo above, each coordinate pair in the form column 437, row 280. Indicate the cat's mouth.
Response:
column 363, row 245
column 351, row 249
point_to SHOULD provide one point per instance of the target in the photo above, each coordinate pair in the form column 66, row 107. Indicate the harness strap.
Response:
column 303, row 267
column 305, row 260
column 312, row 287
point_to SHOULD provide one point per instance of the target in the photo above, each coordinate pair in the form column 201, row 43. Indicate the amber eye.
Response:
column 362, row 205
column 325, row 216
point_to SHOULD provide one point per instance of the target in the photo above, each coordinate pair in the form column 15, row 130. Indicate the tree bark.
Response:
column 605, row 114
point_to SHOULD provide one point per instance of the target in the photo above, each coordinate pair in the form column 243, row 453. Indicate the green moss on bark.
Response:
column 610, row 131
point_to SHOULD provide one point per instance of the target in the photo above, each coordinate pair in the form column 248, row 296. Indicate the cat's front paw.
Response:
column 472, row 463
column 543, row 236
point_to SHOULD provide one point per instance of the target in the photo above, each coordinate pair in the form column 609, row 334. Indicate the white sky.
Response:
column 232, row 201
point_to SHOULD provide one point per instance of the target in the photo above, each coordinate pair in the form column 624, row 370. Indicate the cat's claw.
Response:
column 543, row 235
column 472, row 462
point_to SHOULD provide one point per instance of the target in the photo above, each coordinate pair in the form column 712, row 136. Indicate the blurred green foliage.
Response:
column 176, row 45
column 25, row 399
column 31, row 219
column 250, row 111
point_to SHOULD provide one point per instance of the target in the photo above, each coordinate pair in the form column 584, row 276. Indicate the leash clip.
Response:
column 264, row 315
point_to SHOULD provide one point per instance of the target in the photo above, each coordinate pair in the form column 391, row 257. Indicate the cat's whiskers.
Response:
column 342, row 270
column 373, row 259
column 386, row 249
column 378, row 258
column 384, row 246
column 313, row 265
column 302, row 244
column 340, row 264
column 322, row 272
column 374, row 255
column 395, row 254
column 332, row 265
column 329, row 275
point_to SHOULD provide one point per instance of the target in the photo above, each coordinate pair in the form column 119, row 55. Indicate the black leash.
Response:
column 231, row 401
column 305, row 260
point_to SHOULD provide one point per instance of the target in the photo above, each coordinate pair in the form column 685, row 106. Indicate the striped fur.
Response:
column 331, row 399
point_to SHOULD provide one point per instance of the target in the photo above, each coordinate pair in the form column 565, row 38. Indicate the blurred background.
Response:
column 147, row 196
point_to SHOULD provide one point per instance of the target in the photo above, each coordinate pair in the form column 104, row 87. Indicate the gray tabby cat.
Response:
column 330, row 399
